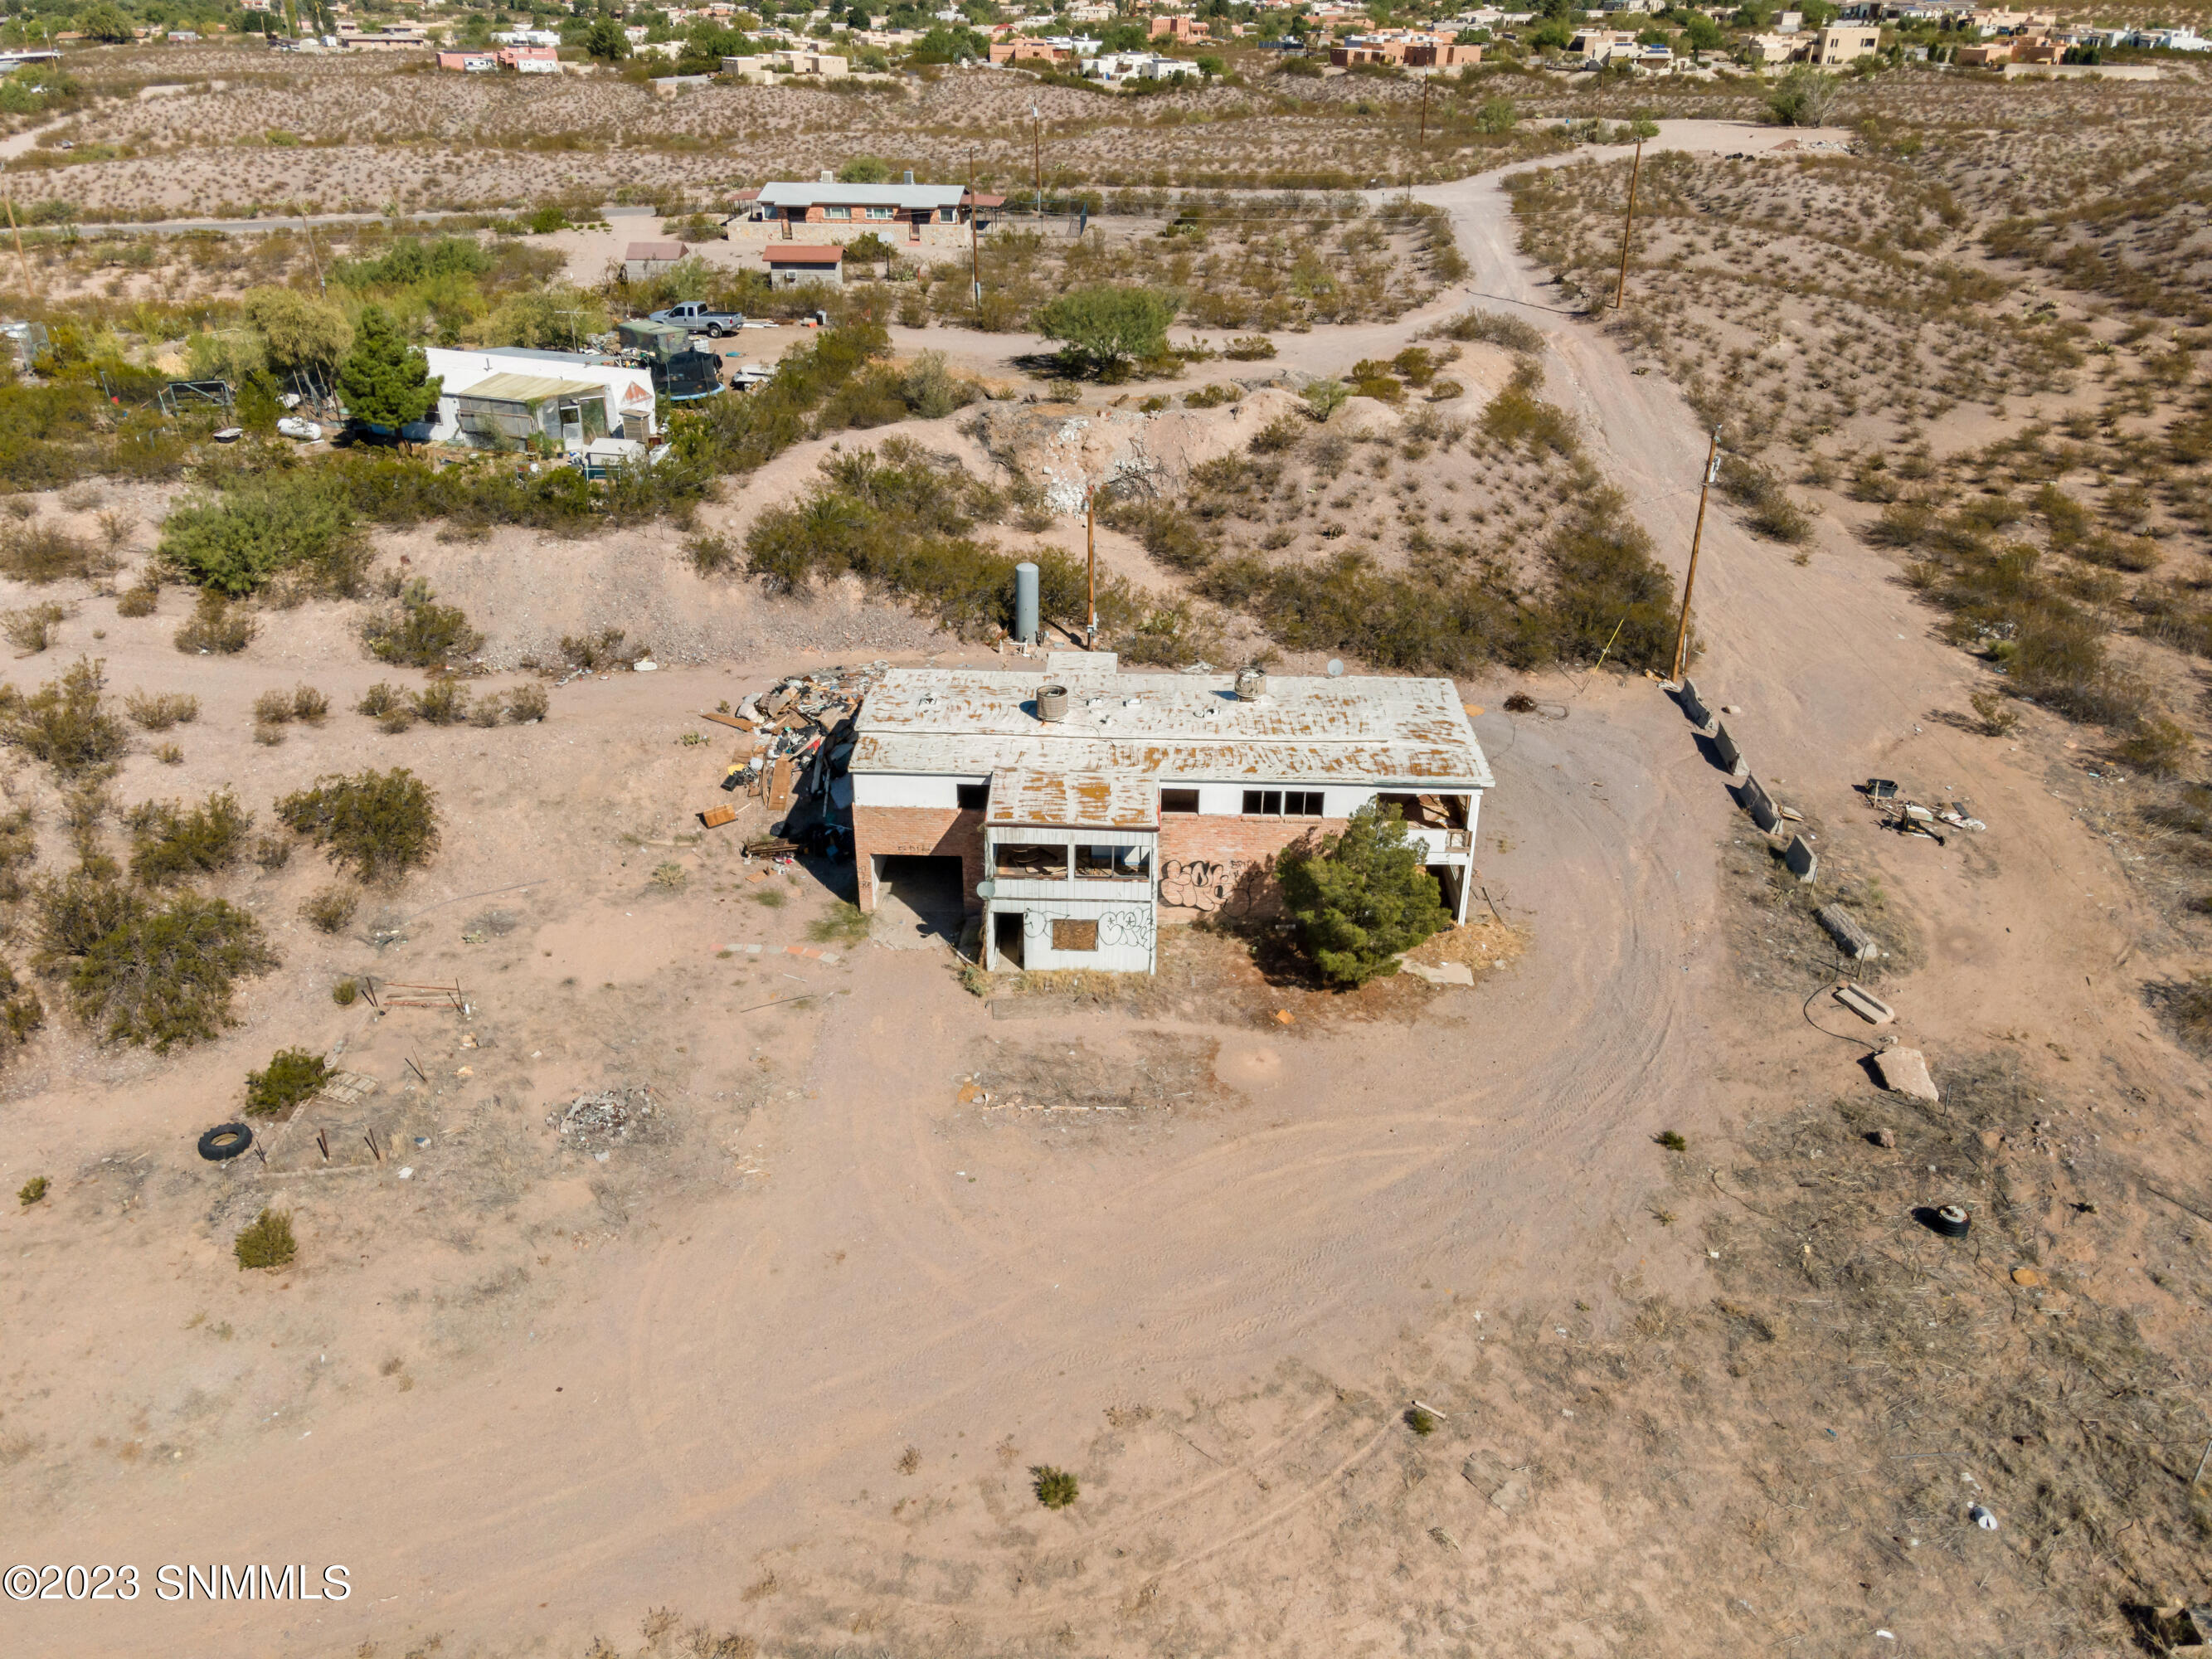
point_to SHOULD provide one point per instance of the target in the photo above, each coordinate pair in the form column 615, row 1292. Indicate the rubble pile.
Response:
column 804, row 736
column 605, row 1116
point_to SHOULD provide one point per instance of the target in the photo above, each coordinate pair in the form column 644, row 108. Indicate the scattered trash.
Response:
column 603, row 1115
column 1951, row 1221
column 225, row 1141
column 1284, row 1017
column 1881, row 789
column 407, row 1174
column 1982, row 1518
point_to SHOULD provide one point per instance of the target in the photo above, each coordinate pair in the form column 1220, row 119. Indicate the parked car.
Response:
column 701, row 318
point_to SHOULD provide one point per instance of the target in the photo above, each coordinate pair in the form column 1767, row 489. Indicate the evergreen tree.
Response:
column 1362, row 898
column 384, row 380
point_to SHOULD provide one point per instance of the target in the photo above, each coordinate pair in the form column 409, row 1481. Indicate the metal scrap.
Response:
column 603, row 1116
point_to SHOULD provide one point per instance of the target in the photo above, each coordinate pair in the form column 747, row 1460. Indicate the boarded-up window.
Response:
column 1075, row 935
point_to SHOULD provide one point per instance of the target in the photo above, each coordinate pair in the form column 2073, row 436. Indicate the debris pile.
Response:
column 603, row 1116
column 802, row 737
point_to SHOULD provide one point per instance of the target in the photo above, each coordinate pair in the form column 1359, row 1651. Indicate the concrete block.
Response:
column 1905, row 1072
column 1731, row 756
column 1444, row 973
column 1867, row 1006
column 1761, row 805
column 1844, row 928
column 1694, row 706
column 1803, row 862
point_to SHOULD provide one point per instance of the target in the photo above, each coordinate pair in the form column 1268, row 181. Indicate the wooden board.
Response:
column 715, row 816
column 779, row 786
column 728, row 719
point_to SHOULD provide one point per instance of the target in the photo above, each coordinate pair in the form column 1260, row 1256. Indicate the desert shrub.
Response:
column 235, row 541
column 345, row 992
column 1802, row 97
column 272, row 850
column 19, row 849
column 1994, row 713
column 1284, row 432
column 65, row 723
column 31, row 629
column 527, row 703
column 216, row 626
column 381, row 699
column 272, row 707
column 157, row 711
column 931, row 391
column 328, row 910
column 310, row 705
column 1517, row 417
column 140, row 601
column 712, row 555
column 70, row 916
column 1248, row 348
column 1103, row 328
column 485, row 712
column 605, row 650
column 1055, row 1488
column 171, row 843
column 267, row 1243
column 165, row 976
column 419, row 632
column 1421, row 1420
column 1361, row 897
column 22, row 1013
column 442, row 703
column 2157, row 745
column 1492, row 328
column 380, row 823
column 291, row 1076
column 1167, row 530
column 267, row 735
column 1211, row 397
column 1324, row 397
column 39, row 552
column 1443, row 389
column 32, row 1191
column 1770, row 513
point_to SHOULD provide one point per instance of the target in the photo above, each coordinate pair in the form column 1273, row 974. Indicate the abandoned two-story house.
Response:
column 1083, row 806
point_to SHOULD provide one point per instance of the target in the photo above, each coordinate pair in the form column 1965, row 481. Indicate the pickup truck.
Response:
column 701, row 318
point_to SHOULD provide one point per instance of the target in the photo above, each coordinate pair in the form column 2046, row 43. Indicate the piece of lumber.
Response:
column 1844, row 928
column 715, row 816
column 1867, row 1006
column 729, row 720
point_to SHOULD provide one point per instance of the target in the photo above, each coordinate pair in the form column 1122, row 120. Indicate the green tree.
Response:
column 107, row 22
column 300, row 330
column 384, row 380
column 605, row 41
column 1361, row 897
column 864, row 170
column 1703, row 34
column 945, row 45
column 1801, row 98
column 1100, row 328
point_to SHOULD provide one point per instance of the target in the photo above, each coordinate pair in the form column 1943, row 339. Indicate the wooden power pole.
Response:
column 1037, row 159
column 975, row 245
column 30, row 289
column 1425, row 114
column 1628, row 225
column 1697, row 537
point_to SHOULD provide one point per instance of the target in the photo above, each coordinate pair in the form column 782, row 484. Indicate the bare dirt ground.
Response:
column 771, row 1375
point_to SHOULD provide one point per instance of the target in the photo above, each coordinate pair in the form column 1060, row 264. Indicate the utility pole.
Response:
column 1425, row 114
column 1037, row 159
column 309, row 224
column 975, row 246
column 1690, row 582
column 1090, row 555
column 1628, row 225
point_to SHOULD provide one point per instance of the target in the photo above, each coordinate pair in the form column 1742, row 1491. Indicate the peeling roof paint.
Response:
column 1367, row 730
column 1090, row 801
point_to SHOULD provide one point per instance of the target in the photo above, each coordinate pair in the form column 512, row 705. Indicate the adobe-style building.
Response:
column 1085, row 807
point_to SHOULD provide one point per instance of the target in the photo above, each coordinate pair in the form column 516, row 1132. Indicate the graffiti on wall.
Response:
column 1214, row 886
column 1131, row 926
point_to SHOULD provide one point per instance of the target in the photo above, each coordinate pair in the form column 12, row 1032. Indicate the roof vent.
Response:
column 1251, row 685
column 828, row 176
column 910, row 175
column 1052, row 703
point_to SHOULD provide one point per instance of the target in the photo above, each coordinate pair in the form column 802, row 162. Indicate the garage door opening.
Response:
column 920, row 901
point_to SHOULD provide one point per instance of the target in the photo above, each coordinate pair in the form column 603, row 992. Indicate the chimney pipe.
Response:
column 910, row 175
column 1251, row 685
column 1025, row 603
column 1052, row 703
column 828, row 176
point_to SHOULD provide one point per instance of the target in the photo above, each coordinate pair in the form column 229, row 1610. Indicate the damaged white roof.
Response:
column 1371, row 730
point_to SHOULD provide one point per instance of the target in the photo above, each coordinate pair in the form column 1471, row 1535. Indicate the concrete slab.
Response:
column 1761, row 805
column 1905, row 1072
column 1867, row 1006
column 1444, row 973
column 1803, row 862
column 1731, row 756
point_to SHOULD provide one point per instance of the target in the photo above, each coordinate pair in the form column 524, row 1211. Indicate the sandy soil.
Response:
column 529, row 1397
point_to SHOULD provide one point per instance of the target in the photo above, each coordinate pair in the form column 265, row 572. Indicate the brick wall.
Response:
column 924, row 831
column 1213, row 863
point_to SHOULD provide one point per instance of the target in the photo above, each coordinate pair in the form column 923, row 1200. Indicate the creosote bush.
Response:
column 65, row 722
column 380, row 824
column 216, row 626
column 328, row 910
column 291, row 1076
column 268, row 1243
column 171, row 843
column 1055, row 1488
column 419, row 632
column 159, row 711
column 160, row 977
column 31, row 629
column 32, row 1191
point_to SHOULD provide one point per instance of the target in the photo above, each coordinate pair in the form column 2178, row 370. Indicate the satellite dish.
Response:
column 1335, row 667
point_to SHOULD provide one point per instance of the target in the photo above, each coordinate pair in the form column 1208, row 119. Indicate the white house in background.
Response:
column 570, row 398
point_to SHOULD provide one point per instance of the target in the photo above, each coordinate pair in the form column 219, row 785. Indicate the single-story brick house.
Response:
column 1081, row 807
column 836, row 207
column 642, row 260
column 790, row 264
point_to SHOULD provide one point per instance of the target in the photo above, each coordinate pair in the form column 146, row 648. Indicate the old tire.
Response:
column 1951, row 1221
column 225, row 1141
